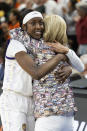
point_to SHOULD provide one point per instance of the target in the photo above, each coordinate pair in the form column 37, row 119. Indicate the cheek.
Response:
column 30, row 30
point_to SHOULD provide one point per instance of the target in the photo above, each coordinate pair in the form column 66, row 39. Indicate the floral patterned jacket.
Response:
column 50, row 96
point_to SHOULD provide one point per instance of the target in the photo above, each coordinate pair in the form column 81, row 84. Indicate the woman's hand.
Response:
column 63, row 73
column 58, row 48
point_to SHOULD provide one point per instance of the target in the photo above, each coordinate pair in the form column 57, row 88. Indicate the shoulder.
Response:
column 14, row 47
column 14, row 43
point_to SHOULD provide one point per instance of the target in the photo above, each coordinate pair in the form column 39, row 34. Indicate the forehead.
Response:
column 36, row 19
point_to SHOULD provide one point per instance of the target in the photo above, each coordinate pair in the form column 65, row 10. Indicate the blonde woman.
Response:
column 55, row 31
column 54, row 102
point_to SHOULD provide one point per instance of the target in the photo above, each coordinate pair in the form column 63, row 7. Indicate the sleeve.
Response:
column 75, row 61
column 14, row 47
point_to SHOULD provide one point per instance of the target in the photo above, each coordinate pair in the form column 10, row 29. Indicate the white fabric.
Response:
column 54, row 123
column 15, row 78
column 21, row 7
column 51, row 7
column 61, row 4
column 15, row 111
column 75, row 61
column 32, row 15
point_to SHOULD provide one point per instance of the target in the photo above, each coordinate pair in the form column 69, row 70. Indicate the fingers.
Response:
column 60, row 76
column 49, row 44
column 61, row 81
column 61, row 67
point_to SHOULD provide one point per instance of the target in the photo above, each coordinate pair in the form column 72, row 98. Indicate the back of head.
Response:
column 55, row 29
column 82, row 5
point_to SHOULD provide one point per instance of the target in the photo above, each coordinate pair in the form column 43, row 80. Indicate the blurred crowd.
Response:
column 73, row 11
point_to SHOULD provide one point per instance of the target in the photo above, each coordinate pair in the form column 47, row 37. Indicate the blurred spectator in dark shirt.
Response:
column 2, row 38
column 69, row 15
column 5, row 29
column 81, row 27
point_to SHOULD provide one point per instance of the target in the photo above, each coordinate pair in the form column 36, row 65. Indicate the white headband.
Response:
column 32, row 15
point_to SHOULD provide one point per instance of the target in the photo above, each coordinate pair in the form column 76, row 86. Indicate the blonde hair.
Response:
column 55, row 29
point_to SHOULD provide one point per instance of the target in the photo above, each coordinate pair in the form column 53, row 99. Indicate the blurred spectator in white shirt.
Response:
column 51, row 6
column 61, row 4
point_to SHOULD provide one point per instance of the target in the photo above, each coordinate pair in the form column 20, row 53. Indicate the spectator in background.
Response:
column 11, row 3
column 29, row 4
column 19, row 3
column 2, row 38
column 70, row 15
column 5, row 29
column 61, row 4
column 81, row 27
column 14, row 19
column 2, row 16
column 50, row 6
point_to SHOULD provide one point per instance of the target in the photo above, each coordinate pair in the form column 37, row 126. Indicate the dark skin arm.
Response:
column 63, row 73
column 37, row 72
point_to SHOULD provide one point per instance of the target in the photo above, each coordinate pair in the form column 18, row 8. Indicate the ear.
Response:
column 24, row 27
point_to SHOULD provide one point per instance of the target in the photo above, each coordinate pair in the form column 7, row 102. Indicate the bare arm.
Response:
column 37, row 72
